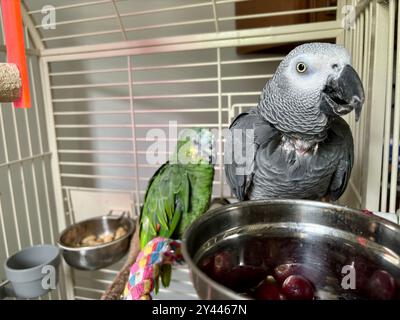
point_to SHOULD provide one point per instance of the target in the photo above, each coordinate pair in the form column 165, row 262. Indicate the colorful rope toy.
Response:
column 153, row 262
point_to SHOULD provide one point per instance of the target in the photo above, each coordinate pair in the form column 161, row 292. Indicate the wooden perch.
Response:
column 10, row 82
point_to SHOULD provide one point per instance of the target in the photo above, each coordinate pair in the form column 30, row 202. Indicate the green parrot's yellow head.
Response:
column 195, row 146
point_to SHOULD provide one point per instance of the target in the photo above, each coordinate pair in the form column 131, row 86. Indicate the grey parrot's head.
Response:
column 313, row 83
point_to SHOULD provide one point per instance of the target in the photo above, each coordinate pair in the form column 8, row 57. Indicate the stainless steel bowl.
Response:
column 330, row 233
column 99, row 256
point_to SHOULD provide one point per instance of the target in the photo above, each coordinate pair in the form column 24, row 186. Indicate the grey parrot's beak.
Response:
column 344, row 93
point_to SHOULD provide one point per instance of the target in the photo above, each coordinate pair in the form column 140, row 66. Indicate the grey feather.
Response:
column 345, row 147
column 238, row 174
column 281, row 172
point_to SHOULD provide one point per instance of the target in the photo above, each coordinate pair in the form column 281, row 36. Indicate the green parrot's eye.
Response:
column 301, row 67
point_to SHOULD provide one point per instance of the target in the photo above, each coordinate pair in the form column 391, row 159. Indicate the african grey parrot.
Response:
column 294, row 144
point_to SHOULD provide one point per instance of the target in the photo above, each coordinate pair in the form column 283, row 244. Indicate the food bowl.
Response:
column 262, row 235
column 27, row 268
column 94, row 257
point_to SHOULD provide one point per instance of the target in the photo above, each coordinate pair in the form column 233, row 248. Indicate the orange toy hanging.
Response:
column 14, row 37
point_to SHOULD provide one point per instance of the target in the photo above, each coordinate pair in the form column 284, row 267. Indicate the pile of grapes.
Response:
column 294, row 281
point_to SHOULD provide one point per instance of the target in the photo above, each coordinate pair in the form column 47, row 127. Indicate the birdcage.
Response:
column 109, row 77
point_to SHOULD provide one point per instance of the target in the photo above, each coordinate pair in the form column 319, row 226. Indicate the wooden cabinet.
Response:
column 266, row 6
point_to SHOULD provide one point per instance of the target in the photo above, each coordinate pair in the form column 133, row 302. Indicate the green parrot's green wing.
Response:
column 165, row 201
column 201, row 181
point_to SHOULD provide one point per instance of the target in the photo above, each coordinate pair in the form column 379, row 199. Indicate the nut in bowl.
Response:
column 98, row 242
column 293, row 250
column 93, row 240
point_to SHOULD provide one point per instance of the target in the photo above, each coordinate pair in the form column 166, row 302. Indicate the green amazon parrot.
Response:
column 180, row 190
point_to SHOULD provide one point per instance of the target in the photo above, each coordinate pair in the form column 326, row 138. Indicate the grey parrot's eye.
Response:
column 301, row 67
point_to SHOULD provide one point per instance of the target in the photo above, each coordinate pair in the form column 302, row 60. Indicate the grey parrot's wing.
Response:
column 238, row 182
column 248, row 131
column 345, row 148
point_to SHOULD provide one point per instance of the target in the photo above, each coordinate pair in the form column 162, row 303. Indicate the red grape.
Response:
column 268, row 290
column 296, row 287
column 382, row 286
column 254, row 252
column 206, row 265
column 217, row 266
column 283, row 271
column 223, row 262
column 242, row 278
